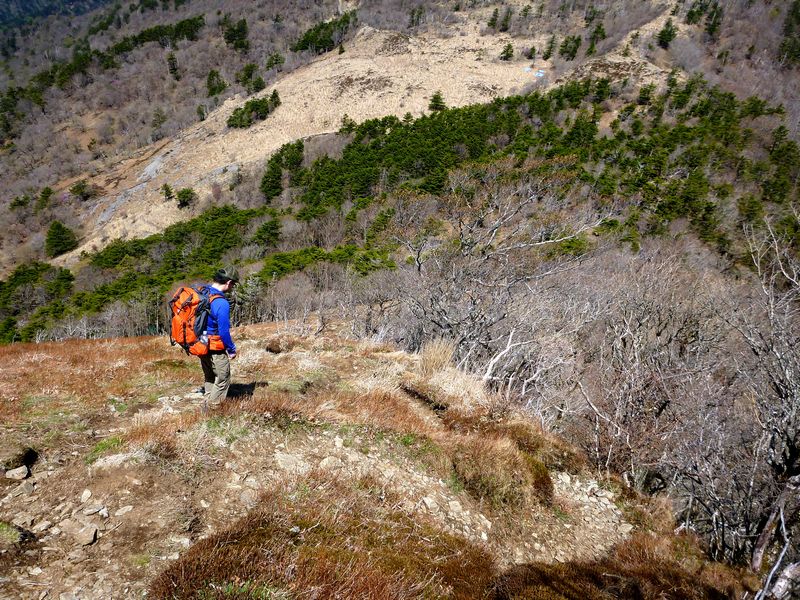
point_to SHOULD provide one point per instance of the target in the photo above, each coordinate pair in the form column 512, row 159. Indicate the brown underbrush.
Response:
column 646, row 567
column 327, row 539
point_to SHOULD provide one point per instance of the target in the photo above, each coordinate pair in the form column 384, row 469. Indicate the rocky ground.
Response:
column 101, row 520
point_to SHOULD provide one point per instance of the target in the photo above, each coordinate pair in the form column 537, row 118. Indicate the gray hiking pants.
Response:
column 217, row 372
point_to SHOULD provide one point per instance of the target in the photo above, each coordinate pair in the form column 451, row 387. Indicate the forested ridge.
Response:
column 687, row 153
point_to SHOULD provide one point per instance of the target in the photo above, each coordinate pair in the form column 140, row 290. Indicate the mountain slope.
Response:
column 134, row 485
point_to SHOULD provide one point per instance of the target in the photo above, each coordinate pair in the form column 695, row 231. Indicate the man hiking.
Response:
column 221, row 349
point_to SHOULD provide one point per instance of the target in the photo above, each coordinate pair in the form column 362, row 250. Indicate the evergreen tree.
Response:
column 60, row 239
column 569, row 47
column 168, row 193
column 599, row 33
column 506, row 22
column 508, row 52
column 530, row 53
column 551, row 46
column 215, row 83
column 44, row 198
column 493, row 20
column 667, row 34
column 415, row 16
column 235, row 34
column 790, row 46
column 172, row 65
column 186, row 197
column 437, row 102
column 274, row 61
column 82, row 190
column 714, row 21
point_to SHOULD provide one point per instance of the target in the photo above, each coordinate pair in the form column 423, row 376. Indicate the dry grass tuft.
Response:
column 644, row 568
column 328, row 540
column 555, row 453
column 284, row 343
column 383, row 409
column 435, row 356
column 493, row 469
column 157, row 434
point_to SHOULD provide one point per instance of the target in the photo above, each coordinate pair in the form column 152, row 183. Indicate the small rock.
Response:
column 455, row 507
column 204, row 504
column 91, row 510
column 23, row 520
column 330, row 463
column 124, row 510
column 26, row 487
column 19, row 473
column 430, row 504
column 290, row 462
column 564, row 477
column 76, row 556
column 85, row 496
column 174, row 556
column 86, row 536
column 484, row 537
column 184, row 542
column 338, row 442
column 35, row 571
column 249, row 498
column 41, row 527
column 625, row 528
column 103, row 512
column 67, row 596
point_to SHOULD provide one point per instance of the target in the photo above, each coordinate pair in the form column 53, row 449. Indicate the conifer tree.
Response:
column 667, row 34
column 550, row 48
column 60, row 239
column 508, row 52
column 172, row 65
column 215, row 83
column 437, row 102
column 506, row 22
column 493, row 20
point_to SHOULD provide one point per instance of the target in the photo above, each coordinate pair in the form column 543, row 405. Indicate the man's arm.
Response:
column 223, row 317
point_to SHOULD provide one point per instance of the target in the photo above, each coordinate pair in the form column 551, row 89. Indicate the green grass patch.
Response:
column 229, row 430
column 104, row 447
column 9, row 534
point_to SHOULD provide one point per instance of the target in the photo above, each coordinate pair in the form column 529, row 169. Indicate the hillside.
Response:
column 345, row 453
column 123, row 147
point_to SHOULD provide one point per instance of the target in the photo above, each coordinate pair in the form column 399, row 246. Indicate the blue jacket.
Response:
column 219, row 321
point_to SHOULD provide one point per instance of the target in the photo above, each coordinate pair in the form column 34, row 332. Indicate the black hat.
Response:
column 226, row 275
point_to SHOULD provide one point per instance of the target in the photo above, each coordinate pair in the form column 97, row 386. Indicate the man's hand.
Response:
column 232, row 355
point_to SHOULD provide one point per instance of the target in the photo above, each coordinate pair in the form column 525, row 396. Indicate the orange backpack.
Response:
column 190, row 307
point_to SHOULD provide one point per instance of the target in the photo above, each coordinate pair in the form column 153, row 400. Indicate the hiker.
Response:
column 221, row 349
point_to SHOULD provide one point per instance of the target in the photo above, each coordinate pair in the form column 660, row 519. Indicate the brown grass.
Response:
column 643, row 568
column 555, row 453
column 329, row 540
column 284, row 343
column 493, row 469
column 435, row 356
column 158, row 436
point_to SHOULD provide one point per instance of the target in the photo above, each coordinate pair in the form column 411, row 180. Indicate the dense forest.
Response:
column 14, row 13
